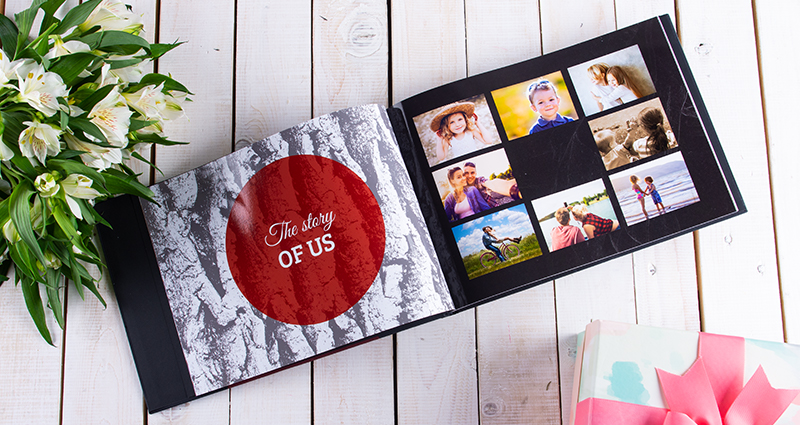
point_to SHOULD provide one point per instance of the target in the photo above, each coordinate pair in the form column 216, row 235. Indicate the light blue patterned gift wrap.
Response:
column 620, row 360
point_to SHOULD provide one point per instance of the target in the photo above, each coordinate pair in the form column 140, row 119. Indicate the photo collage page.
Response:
column 562, row 167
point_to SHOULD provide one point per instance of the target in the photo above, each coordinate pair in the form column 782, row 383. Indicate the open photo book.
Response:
column 366, row 221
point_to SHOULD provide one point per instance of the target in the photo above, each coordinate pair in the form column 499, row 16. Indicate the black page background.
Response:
column 566, row 156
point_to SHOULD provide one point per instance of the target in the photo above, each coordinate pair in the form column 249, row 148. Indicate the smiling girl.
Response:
column 458, row 131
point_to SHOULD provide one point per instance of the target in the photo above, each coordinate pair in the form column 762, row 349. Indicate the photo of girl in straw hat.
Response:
column 456, row 129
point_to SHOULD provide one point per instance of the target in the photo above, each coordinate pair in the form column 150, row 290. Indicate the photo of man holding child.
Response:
column 611, row 80
column 534, row 105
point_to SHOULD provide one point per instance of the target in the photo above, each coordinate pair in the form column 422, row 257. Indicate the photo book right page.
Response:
column 538, row 169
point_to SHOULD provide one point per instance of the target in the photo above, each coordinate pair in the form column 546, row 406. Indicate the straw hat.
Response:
column 467, row 108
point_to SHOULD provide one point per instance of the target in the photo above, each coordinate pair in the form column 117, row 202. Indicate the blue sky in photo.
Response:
column 511, row 222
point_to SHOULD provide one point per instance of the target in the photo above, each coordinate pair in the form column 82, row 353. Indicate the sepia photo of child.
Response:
column 456, row 129
column 575, row 215
column 496, row 241
column 534, row 105
column 611, row 80
column 654, row 188
column 477, row 184
column 633, row 133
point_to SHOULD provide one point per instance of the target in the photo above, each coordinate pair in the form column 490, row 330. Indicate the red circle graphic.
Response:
column 305, row 239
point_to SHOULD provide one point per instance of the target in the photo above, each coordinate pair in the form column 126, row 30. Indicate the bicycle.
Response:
column 508, row 249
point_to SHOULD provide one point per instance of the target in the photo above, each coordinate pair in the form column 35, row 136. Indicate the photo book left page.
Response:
column 304, row 242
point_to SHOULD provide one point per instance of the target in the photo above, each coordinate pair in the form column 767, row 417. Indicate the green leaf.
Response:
column 22, row 261
column 8, row 36
column 24, row 22
column 77, row 271
column 50, row 7
column 30, row 290
column 86, row 211
column 63, row 117
column 128, row 184
column 96, row 97
column 25, row 166
column 75, row 167
column 156, row 79
column 116, row 42
column 123, row 63
column 68, row 154
column 143, row 159
column 159, row 140
column 13, row 123
column 139, row 124
column 65, row 223
column 88, row 127
column 39, row 44
column 158, row 50
column 93, row 213
column 19, row 208
column 54, row 296
column 70, row 66
column 76, row 16
column 89, row 283
column 3, row 212
column 4, row 268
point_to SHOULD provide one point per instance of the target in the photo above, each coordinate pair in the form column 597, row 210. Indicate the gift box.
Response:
column 631, row 374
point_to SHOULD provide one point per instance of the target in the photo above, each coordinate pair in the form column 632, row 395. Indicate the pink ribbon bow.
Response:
column 711, row 392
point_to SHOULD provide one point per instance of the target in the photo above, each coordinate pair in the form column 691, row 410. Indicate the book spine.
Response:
column 429, row 205
column 142, row 299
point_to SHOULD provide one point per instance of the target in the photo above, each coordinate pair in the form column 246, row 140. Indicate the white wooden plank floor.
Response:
column 259, row 66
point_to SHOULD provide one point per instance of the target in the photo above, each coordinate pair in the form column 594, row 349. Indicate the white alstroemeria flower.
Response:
column 78, row 186
column 36, row 213
column 174, row 108
column 95, row 156
column 60, row 48
column 106, row 77
column 7, row 69
column 10, row 232
column 154, row 128
column 46, row 185
column 148, row 101
column 113, row 118
column 130, row 74
column 39, row 140
column 5, row 152
column 113, row 15
column 23, row 67
column 41, row 89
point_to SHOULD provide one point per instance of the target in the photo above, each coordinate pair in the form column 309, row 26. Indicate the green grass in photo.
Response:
column 528, row 246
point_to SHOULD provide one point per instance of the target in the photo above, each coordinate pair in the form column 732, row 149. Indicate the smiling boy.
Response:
column 545, row 101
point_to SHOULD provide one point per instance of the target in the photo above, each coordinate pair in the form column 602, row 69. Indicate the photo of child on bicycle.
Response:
column 496, row 241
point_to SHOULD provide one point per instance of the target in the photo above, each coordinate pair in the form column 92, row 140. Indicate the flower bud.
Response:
column 10, row 232
column 46, row 185
column 51, row 261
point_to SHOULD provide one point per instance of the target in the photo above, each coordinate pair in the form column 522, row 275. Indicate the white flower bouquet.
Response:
column 76, row 105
